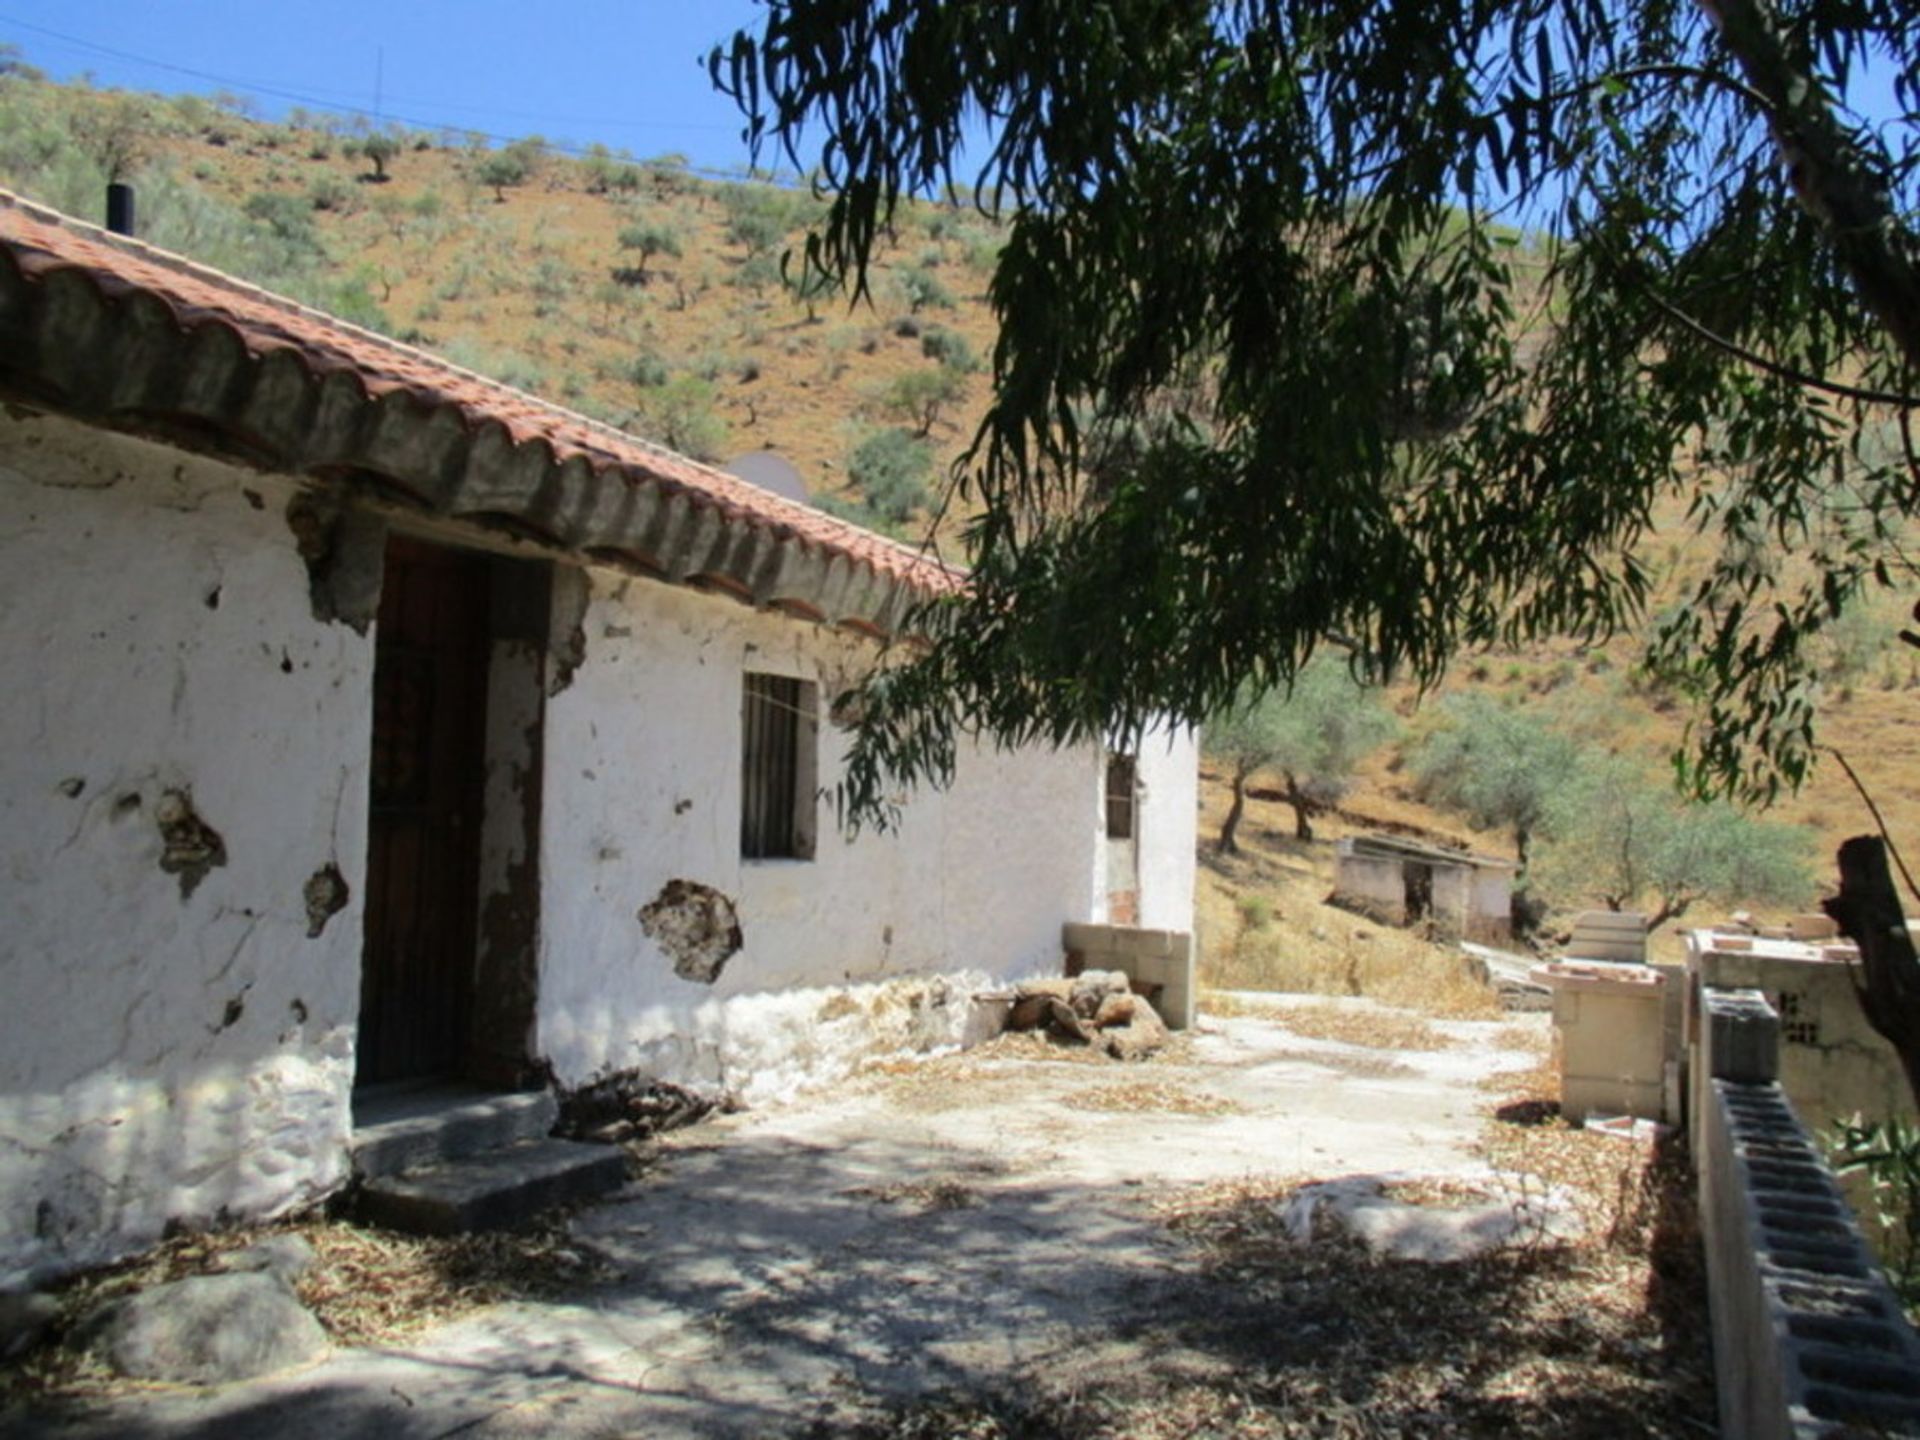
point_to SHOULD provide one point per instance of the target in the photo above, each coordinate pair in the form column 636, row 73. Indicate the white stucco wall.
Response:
column 643, row 786
column 173, row 1057
column 1169, row 776
column 165, row 1056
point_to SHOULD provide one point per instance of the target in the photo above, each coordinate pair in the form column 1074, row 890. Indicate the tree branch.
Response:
column 1673, row 312
column 1823, row 166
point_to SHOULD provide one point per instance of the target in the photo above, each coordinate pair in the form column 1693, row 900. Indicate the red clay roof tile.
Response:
column 43, row 242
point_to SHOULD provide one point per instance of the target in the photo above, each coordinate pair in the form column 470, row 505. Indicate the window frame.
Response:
column 779, row 766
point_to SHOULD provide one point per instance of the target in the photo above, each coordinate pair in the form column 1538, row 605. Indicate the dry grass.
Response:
column 926, row 1196
column 365, row 1286
column 1370, row 1027
column 1166, row 1097
column 1595, row 1339
column 957, row 1081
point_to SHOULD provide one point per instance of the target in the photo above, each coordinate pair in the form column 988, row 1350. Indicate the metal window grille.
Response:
column 771, row 725
column 1120, row 797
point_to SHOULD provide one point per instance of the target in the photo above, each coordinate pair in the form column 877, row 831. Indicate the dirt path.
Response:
column 987, row 1232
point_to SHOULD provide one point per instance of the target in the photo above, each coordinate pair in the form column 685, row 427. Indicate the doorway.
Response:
column 1417, row 892
column 427, row 779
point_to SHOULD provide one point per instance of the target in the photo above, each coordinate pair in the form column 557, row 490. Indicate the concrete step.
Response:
column 403, row 1127
column 494, row 1190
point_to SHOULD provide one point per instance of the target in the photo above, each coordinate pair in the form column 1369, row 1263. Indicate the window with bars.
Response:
column 1121, row 792
column 779, row 739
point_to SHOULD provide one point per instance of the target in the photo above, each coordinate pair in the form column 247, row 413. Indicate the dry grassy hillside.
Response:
column 527, row 278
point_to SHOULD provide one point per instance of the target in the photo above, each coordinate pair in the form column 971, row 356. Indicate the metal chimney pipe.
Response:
column 120, row 208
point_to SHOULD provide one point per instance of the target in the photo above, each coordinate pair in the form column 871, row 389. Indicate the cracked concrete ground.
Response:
column 954, row 1226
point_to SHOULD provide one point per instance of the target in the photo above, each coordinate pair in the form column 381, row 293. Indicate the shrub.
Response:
column 950, row 349
column 680, row 415
column 921, row 289
column 892, row 469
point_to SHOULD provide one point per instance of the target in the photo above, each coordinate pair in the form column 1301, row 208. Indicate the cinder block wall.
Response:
column 1146, row 957
column 1808, row 1339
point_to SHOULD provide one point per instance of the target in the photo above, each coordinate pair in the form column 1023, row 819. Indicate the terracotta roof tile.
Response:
column 43, row 242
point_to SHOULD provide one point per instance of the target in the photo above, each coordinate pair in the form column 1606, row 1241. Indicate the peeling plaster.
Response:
column 696, row 925
column 193, row 847
column 345, row 553
column 326, row 893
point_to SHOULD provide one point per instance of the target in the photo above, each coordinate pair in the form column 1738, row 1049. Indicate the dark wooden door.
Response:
column 429, row 740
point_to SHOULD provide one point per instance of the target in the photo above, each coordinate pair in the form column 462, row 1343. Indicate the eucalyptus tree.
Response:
column 1417, row 313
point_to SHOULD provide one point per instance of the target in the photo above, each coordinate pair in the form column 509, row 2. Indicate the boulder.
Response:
column 1143, row 1033
column 1092, row 988
column 209, row 1330
column 1114, row 1010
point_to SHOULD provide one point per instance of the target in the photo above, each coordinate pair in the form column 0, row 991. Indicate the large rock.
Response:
column 1398, row 1230
column 1141, row 1034
column 1093, row 988
column 210, row 1329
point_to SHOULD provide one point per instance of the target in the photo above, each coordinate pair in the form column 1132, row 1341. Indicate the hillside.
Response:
column 643, row 294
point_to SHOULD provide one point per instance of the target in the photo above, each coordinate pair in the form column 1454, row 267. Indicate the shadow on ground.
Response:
column 886, row 1288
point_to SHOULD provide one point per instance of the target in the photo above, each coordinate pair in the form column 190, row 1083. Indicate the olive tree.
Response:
column 1621, row 839
column 1312, row 737
column 1500, row 764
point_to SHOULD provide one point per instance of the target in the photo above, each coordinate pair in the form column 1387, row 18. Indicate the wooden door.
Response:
column 429, row 743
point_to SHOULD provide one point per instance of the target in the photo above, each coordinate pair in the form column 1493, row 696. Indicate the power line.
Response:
column 353, row 101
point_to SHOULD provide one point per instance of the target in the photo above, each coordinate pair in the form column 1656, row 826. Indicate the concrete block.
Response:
column 1741, row 1036
column 1808, row 1339
column 1610, row 1035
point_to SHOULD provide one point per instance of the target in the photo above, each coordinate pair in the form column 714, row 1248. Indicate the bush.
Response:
column 891, row 469
column 921, row 289
column 649, row 372
column 950, row 349
column 680, row 416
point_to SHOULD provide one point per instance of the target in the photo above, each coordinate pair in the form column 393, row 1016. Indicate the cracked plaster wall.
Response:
column 643, row 786
column 166, row 1056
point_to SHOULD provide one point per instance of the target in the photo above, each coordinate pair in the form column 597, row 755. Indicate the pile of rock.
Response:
column 1097, row 1007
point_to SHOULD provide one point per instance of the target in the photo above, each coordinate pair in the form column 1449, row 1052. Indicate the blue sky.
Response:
column 629, row 73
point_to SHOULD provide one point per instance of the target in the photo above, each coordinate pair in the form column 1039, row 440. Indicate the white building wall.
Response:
column 171, row 1056
column 1169, row 777
column 643, row 786
column 166, row 1055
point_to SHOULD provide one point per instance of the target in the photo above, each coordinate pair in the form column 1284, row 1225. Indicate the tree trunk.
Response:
column 1671, row 908
column 1302, row 809
column 1228, row 844
column 1887, row 982
column 1523, row 848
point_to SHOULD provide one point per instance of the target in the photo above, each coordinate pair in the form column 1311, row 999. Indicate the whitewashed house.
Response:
column 366, row 720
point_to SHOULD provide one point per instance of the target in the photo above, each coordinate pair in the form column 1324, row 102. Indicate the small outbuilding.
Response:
column 1406, row 882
